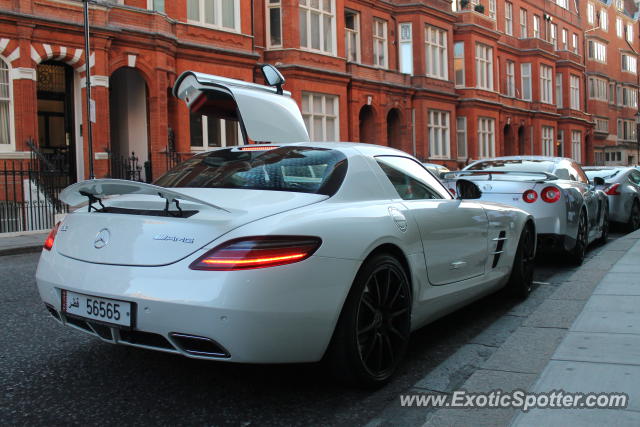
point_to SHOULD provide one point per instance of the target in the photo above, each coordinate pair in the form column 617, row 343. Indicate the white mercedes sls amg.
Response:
column 280, row 252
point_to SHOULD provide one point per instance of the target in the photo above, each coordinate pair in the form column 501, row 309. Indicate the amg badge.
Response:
column 173, row 238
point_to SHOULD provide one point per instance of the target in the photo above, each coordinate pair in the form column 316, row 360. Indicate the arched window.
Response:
column 5, row 105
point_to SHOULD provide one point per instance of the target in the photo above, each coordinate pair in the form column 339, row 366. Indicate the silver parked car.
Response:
column 622, row 187
column 570, row 212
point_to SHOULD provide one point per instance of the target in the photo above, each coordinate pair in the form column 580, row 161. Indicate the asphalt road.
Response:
column 54, row 375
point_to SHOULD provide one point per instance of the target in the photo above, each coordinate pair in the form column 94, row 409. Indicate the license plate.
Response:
column 97, row 308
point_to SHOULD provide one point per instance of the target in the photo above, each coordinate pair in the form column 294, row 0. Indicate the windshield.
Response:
column 297, row 169
column 521, row 165
column 602, row 173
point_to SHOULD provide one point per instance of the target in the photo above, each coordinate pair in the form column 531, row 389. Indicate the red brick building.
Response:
column 444, row 82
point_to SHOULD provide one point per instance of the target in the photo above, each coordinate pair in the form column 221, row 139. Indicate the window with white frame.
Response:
column 560, row 143
column 565, row 39
column 563, row 3
column 626, row 130
column 547, row 141
column 620, row 5
column 546, row 84
column 604, row 20
column 629, row 32
column 554, row 36
column 486, row 137
column 320, row 114
column 619, row 94
column 598, row 89
column 629, row 63
column 574, row 43
column 525, row 75
column 461, row 136
column 536, row 26
column 612, row 93
column 602, row 124
column 352, row 35
column 492, row 9
column 523, row 24
column 207, row 132
column 559, row 94
column 508, row 18
column 406, row 48
column 317, row 21
column 223, row 14
column 629, row 97
column 155, row 5
column 597, row 51
column 6, row 115
column 458, row 63
column 274, row 23
column 619, row 27
column 380, row 43
column 484, row 66
column 511, row 78
column 591, row 13
column 574, row 91
column 576, row 145
column 436, row 52
column 438, row 126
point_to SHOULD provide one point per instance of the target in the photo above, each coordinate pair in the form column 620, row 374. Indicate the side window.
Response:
column 575, row 172
column 411, row 180
column 634, row 177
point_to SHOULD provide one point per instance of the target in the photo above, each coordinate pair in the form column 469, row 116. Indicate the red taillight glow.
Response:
column 550, row 194
column 452, row 191
column 48, row 243
column 612, row 190
column 530, row 196
column 257, row 148
column 257, row 252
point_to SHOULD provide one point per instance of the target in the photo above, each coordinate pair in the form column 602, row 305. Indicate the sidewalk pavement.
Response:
column 19, row 243
column 600, row 353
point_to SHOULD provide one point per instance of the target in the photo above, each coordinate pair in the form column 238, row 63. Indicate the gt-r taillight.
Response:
column 530, row 196
column 48, row 243
column 612, row 190
column 257, row 252
column 550, row 194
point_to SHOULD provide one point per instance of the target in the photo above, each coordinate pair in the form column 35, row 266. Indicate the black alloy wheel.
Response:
column 521, row 279
column 579, row 250
column 634, row 217
column 373, row 331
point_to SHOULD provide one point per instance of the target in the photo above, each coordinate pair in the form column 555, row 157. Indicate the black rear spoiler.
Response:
column 490, row 173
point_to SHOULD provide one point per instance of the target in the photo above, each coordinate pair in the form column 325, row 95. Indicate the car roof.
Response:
column 549, row 158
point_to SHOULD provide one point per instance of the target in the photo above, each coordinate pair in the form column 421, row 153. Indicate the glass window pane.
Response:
column 274, row 26
column 305, row 104
column 329, row 106
column 4, row 122
column 315, row 31
column 228, row 13
column 209, row 13
column 303, row 29
column 196, row 130
column 328, row 34
column 317, row 129
column 317, row 104
column 330, row 123
column 193, row 10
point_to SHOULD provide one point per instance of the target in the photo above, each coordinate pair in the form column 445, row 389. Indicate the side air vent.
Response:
column 499, row 245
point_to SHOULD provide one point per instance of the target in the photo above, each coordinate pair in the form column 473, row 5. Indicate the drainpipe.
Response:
column 87, row 64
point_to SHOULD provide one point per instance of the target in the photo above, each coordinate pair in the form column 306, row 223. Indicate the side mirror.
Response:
column 466, row 189
column 597, row 181
column 273, row 77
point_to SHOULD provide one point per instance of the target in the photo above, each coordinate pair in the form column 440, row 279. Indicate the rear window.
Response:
column 297, row 169
column 519, row 165
column 602, row 173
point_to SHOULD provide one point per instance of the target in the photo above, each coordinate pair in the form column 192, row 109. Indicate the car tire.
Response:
column 582, row 240
column 521, row 278
column 604, row 235
column 634, row 217
column 372, row 333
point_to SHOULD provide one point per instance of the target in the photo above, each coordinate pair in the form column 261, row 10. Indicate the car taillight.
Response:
column 612, row 190
column 257, row 252
column 530, row 196
column 48, row 243
column 550, row 194
column 452, row 191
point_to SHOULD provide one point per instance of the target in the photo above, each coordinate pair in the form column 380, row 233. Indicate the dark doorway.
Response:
column 393, row 129
column 521, row 140
column 367, row 125
column 129, row 118
column 507, row 139
column 56, row 138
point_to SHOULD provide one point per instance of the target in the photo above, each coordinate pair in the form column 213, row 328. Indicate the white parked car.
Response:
column 279, row 253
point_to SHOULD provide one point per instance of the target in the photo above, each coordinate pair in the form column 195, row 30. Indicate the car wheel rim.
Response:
column 383, row 321
column 528, row 256
column 581, row 243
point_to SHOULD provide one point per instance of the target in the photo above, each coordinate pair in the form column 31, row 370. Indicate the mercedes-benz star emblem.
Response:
column 102, row 238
